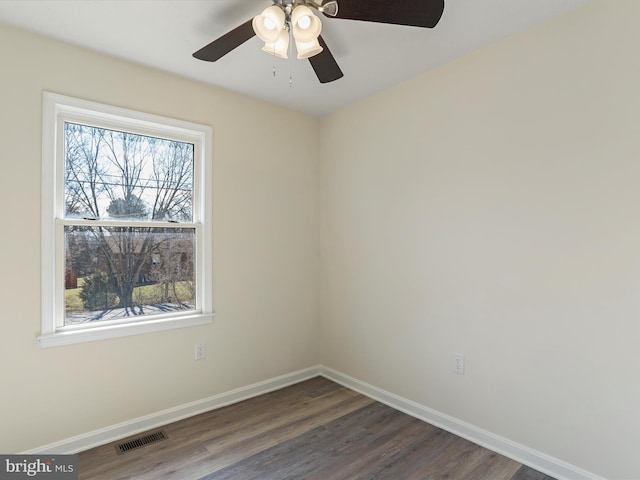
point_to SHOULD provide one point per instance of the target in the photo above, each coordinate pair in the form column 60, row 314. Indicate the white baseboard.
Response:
column 525, row 455
column 132, row 427
column 520, row 453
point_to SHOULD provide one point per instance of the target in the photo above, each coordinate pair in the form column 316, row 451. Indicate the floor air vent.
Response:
column 141, row 441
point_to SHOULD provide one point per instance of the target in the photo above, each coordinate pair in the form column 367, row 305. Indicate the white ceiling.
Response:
column 164, row 34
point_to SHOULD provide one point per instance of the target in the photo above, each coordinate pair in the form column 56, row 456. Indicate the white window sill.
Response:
column 90, row 334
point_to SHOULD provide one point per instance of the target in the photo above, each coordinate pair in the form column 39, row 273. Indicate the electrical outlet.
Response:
column 458, row 363
column 201, row 351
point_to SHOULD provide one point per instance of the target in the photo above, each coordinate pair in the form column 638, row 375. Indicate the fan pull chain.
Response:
column 290, row 62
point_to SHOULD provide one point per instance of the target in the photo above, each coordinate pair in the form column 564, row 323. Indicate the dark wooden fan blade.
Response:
column 415, row 13
column 325, row 66
column 227, row 42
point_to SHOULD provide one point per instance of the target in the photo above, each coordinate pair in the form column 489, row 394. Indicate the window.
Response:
column 126, row 227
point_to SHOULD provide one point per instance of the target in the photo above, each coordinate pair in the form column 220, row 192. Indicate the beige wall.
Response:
column 265, row 252
column 491, row 207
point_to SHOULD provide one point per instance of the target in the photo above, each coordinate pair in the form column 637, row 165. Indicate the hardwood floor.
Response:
column 315, row 430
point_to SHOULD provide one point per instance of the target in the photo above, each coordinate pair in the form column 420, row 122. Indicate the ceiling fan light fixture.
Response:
column 308, row 49
column 280, row 47
column 268, row 25
column 330, row 8
column 305, row 25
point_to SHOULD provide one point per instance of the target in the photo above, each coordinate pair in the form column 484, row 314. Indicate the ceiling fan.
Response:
column 286, row 18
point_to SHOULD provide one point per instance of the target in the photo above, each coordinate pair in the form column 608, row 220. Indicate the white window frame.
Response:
column 58, row 109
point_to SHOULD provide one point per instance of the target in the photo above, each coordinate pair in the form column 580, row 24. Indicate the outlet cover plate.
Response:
column 458, row 363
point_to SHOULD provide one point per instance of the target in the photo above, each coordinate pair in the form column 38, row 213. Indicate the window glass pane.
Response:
column 115, row 273
column 113, row 175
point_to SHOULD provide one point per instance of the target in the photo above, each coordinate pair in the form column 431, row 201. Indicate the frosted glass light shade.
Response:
column 308, row 49
column 280, row 46
column 305, row 25
column 269, row 24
